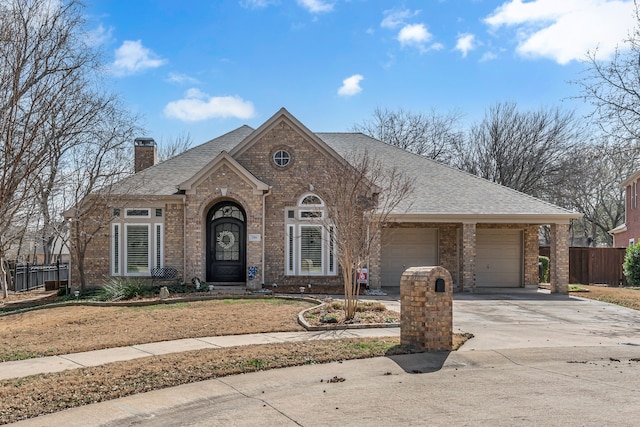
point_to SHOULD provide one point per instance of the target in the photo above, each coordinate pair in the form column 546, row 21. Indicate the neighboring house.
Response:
column 241, row 201
column 628, row 233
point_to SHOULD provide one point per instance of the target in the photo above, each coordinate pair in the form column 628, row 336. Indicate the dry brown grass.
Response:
column 73, row 329
column 626, row 297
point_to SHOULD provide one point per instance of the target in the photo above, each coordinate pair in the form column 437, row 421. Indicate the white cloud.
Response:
column 565, row 30
column 197, row 106
column 396, row 18
column 488, row 56
column 99, row 35
column 414, row 35
column 256, row 4
column 316, row 6
column 181, row 78
column 132, row 58
column 351, row 85
column 466, row 43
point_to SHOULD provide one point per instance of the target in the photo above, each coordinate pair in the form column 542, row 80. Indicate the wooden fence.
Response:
column 594, row 265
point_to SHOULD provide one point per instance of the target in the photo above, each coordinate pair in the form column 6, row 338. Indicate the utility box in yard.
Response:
column 426, row 307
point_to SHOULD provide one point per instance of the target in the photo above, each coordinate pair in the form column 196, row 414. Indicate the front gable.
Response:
column 271, row 133
column 223, row 160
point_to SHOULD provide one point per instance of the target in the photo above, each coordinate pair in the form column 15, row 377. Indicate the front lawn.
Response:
column 626, row 297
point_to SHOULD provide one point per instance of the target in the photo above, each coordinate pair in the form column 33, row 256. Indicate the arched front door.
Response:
column 226, row 247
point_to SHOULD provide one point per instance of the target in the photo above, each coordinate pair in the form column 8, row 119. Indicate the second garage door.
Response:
column 406, row 247
column 498, row 258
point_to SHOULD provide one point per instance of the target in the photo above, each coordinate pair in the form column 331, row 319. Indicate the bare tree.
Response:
column 93, row 171
column 526, row 151
column 613, row 87
column 431, row 135
column 173, row 147
column 364, row 192
column 41, row 52
column 594, row 189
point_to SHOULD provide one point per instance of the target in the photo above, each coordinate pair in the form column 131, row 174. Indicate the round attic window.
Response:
column 281, row 158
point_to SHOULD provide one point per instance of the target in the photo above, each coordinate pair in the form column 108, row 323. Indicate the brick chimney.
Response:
column 145, row 154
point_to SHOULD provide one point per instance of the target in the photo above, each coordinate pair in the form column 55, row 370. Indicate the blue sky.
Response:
column 207, row 67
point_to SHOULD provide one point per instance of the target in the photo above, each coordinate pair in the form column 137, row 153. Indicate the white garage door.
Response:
column 498, row 258
column 406, row 247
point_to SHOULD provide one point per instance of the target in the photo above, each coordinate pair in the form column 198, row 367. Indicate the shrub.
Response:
column 123, row 288
column 631, row 265
column 544, row 277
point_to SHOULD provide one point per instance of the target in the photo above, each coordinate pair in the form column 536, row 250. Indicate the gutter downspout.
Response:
column 264, row 203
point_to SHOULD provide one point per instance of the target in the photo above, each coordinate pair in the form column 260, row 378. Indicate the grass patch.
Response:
column 626, row 297
column 77, row 328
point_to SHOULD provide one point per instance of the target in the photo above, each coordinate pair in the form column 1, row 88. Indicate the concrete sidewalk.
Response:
column 570, row 386
column 23, row 368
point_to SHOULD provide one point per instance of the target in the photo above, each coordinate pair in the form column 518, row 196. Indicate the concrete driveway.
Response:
column 535, row 360
column 525, row 318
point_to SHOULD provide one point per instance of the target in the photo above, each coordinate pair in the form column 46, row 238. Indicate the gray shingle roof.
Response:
column 440, row 189
column 163, row 178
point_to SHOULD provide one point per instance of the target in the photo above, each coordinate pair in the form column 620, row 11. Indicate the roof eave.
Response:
column 525, row 218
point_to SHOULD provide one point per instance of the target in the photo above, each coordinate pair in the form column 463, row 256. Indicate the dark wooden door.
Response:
column 226, row 251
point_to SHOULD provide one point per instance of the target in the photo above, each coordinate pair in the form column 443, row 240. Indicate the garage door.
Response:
column 498, row 258
column 406, row 247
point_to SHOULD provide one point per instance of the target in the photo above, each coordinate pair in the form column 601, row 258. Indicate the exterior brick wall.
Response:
column 287, row 184
column 426, row 316
column 174, row 239
column 622, row 239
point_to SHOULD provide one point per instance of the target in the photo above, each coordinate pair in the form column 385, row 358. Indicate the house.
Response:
column 628, row 233
column 236, row 210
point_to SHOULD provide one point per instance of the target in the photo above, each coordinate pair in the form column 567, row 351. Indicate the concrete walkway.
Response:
column 23, row 368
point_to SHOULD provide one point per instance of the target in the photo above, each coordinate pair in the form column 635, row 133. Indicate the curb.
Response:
column 332, row 327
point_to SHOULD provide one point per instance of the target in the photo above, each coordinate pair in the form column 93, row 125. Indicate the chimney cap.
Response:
column 144, row 141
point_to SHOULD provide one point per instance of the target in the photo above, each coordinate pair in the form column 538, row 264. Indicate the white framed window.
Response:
column 310, row 207
column 158, row 258
column 137, row 247
column 290, row 252
column 634, row 195
column 115, row 250
column 309, row 242
column 137, row 213
column 311, row 248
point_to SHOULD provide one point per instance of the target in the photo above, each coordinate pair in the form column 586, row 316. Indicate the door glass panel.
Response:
column 227, row 246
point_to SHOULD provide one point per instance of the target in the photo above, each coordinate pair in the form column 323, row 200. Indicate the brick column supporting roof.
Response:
column 559, row 260
column 468, row 257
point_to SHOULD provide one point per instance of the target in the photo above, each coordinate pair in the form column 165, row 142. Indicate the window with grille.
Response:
column 311, row 249
column 137, row 248
column 158, row 259
column 309, row 243
column 115, row 259
column 137, row 213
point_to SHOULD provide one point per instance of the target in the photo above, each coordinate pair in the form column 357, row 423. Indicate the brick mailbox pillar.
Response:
column 426, row 307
